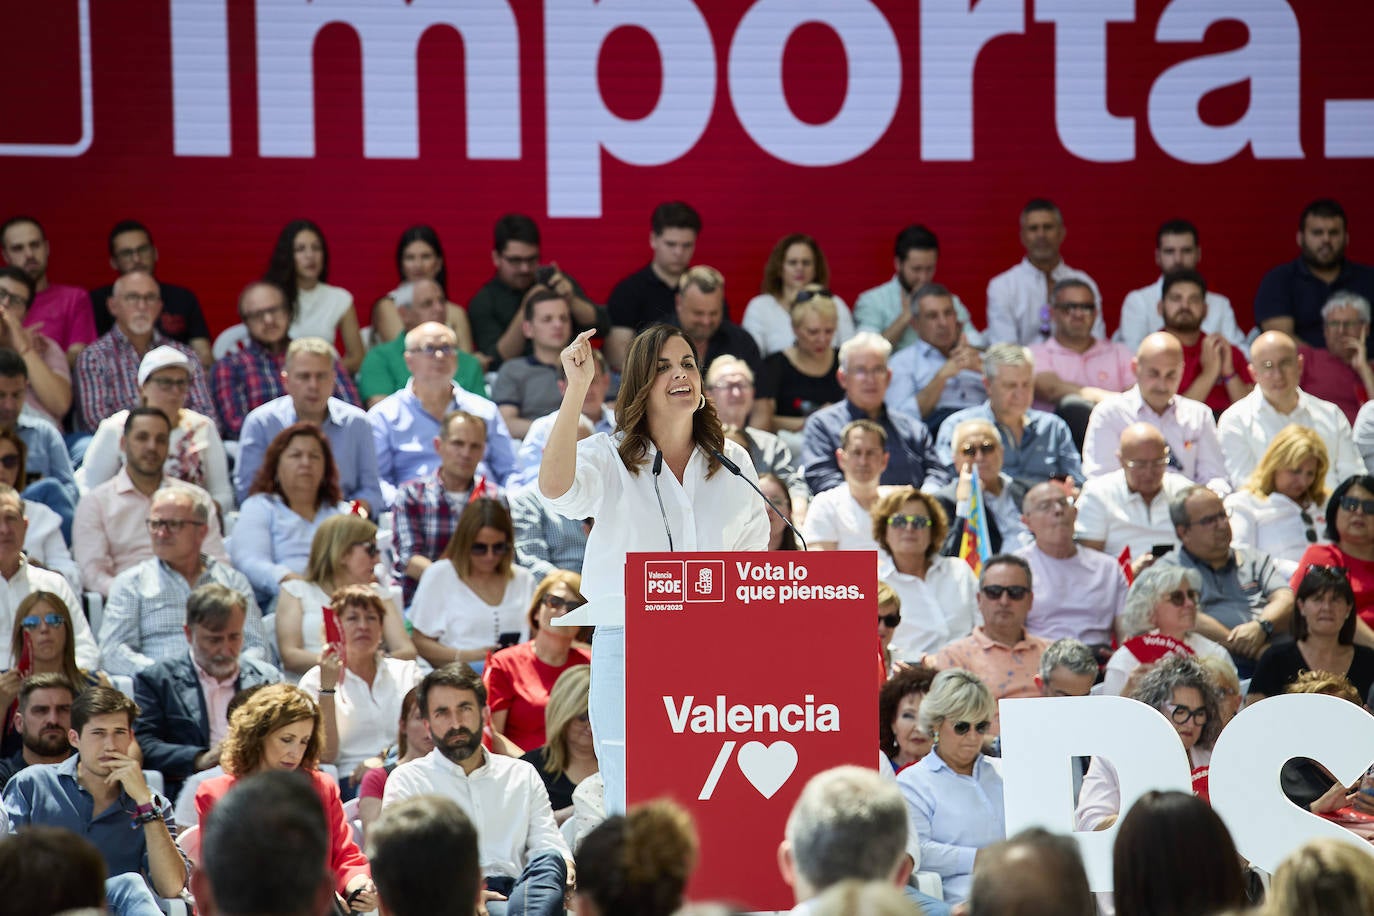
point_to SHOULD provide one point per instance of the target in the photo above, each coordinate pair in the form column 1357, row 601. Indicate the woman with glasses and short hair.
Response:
column 473, row 599
column 1350, row 530
column 1160, row 619
column 1282, row 507
column 343, row 552
column 520, row 677
column 939, row 594
column 801, row 378
column 1323, row 638
column 795, row 263
column 359, row 688
column 953, row 794
column 1180, row 689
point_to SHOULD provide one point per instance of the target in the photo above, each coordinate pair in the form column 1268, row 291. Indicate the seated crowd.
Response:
column 291, row 552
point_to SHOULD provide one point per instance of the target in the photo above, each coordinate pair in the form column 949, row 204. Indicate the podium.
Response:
column 747, row 674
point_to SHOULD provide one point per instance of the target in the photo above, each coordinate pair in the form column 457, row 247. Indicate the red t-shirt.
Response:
column 517, row 681
column 1217, row 398
column 1361, row 575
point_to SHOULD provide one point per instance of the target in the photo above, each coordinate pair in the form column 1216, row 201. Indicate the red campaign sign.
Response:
column 217, row 122
column 746, row 674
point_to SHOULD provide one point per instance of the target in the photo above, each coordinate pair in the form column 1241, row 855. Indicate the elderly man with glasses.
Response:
column 1245, row 599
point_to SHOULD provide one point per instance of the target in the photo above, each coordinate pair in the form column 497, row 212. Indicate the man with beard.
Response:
column 185, row 699
column 64, row 311
column 1019, row 298
column 43, row 718
column 524, row 858
column 1291, row 296
column 1214, row 369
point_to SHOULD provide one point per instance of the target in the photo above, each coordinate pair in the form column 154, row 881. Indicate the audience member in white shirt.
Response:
column 839, row 517
column 1130, row 507
column 1019, row 298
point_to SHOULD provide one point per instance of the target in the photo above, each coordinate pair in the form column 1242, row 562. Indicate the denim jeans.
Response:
column 606, row 707
column 538, row 891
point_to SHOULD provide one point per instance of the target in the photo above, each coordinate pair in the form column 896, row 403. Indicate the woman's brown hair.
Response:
column 10, row 434
column 888, row 505
column 555, row 577
column 631, row 405
column 483, row 512
column 772, row 271
column 274, row 706
column 32, row 604
column 266, row 480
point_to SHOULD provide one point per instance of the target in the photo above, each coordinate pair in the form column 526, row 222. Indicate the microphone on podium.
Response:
column 734, row 469
column 658, row 469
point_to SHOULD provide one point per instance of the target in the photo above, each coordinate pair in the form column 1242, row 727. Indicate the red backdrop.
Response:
column 215, row 217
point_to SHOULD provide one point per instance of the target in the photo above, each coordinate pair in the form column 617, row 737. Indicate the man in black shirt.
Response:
column 649, row 295
column 701, row 313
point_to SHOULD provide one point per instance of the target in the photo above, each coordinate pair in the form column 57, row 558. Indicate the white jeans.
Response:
column 606, row 707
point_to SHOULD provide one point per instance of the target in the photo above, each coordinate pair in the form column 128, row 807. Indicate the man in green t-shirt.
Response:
column 384, row 369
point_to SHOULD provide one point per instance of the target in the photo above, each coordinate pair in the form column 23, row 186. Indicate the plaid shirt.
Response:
column 426, row 514
column 107, row 377
column 251, row 376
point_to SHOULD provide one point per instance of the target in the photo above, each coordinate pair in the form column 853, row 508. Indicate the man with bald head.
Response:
column 1188, row 426
column 384, row 368
column 1249, row 425
column 1129, row 507
column 1081, row 592
column 405, row 424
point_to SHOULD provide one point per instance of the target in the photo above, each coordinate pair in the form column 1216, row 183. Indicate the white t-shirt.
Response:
column 835, row 515
column 936, row 610
column 318, row 311
column 446, row 609
column 367, row 716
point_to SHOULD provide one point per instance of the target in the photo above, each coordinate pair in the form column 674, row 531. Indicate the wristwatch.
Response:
column 1267, row 626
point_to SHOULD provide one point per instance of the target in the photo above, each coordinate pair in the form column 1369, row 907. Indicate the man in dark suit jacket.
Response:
column 185, row 700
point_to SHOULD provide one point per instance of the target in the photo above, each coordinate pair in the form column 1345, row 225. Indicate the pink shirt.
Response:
column 217, row 695
column 1104, row 365
column 66, row 313
column 55, row 358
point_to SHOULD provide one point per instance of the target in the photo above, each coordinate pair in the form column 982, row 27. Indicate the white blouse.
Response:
column 367, row 716
column 1274, row 525
column 313, row 600
column 44, row 544
column 771, row 323
column 318, row 311
column 936, row 610
column 446, row 609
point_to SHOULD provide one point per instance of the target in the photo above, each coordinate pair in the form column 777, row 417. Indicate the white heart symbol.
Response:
column 767, row 766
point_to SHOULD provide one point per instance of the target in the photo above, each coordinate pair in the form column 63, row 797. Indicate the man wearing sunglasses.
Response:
column 1245, row 600
column 1000, row 652
column 145, row 616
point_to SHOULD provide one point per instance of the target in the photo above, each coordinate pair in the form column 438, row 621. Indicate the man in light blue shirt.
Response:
column 939, row 373
column 405, row 423
column 308, row 377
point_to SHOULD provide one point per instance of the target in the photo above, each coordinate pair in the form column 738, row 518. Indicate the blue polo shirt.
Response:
column 1292, row 291
column 48, row 794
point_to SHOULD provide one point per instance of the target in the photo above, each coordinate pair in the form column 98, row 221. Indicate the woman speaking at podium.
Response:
column 652, row 485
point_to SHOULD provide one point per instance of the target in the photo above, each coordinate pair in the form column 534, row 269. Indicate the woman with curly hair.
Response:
column 637, row 864
column 900, row 735
column 279, row 729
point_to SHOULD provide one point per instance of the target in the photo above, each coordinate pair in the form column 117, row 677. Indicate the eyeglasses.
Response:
column 481, row 550
column 733, row 387
column 9, row 298
column 1083, row 308
column 1353, row 325
column 170, row 384
column 556, row 603
column 148, row 299
column 1216, row 518
column 866, row 372
column 961, row 728
column 1151, row 463
column 987, row 448
column 369, row 547
column 807, row 295
column 1014, row 592
column 890, row 620
column 531, row 261
column 1180, row 597
column 33, row 621
column 1311, row 529
column 9, row 462
column 272, row 311
column 128, row 254
column 1181, row 714
column 908, row 521
column 1283, row 365
column 172, row 525
column 443, row 352
column 1354, row 504
column 1048, row 504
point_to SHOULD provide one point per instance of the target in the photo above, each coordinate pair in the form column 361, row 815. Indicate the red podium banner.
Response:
column 746, row 674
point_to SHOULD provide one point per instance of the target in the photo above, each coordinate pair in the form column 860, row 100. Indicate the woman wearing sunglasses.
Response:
column 473, row 599
column 569, row 755
column 358, row 687
column 1282, row 507
column 977, row 444
column 953, row 795
column 801, row 378
column 1350, row 530
column 519, row 678
column 343, row 552
column 795, row 262
column 1180, row 689
column 1323, row 638
column 1160, row 619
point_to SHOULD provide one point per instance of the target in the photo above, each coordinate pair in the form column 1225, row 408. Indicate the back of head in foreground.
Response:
column 1173, row 856
column 47, row 870
column 1323, row 877
column 637, row 864
column 423, row 852
column 265, row 851
column 1035, row 873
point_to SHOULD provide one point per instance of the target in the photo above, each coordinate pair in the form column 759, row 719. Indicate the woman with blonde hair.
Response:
column 473, row 599
column 795, row 262
column 519, row 678
column 569, row 756
column 1281, row 508
column 800, row 378
column 1323, row 877
column 343, row 552
column 279, row 729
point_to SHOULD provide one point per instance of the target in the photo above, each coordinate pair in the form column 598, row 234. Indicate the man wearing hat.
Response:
column 107, row 370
